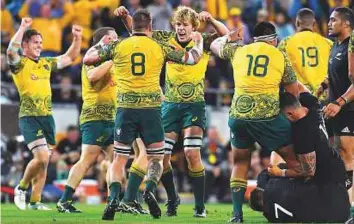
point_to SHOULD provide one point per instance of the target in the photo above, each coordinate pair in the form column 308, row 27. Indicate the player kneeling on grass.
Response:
column 31, row 74
column 313, row 192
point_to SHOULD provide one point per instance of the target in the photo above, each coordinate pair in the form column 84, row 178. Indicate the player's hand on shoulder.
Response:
column 77, row 31
column 205, row 16
column 331, row 110
column 274, row 170
column 26, row 22
column 121, row 12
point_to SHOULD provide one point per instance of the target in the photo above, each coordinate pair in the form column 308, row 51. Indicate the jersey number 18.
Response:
column 260, row 66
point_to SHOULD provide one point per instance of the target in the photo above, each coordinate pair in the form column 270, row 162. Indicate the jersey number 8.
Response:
column 260, row 67
column 312, row 54
column 138, row 64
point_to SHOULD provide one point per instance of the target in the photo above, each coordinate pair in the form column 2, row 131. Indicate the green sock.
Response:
column 150, row 185
column 136, row 176
column 352, row 211
column 167, row 181
column 198, row 184
column 238, row 189
column 33, row 203
column 68, row 194
column 115, row 189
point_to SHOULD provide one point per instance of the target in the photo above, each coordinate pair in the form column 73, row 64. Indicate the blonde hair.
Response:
column 184, row 13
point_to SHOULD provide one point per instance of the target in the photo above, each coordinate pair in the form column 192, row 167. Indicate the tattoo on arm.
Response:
column 154, row 170
column 307, row 164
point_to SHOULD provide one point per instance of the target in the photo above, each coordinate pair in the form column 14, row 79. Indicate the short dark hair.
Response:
column 346, row 14
column 263, row 28
column 256, row 200
column 141, row 20
column 71, row 128
column 288, row 100
column 29, row 34
column 100, row 33
column 306, row 16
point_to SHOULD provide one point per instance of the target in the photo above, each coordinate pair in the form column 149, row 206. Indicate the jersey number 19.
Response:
column 138, row 64
column 309, row 55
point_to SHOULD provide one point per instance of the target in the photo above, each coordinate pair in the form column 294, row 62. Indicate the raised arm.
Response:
column 73, row 51
column 123, row 13
column 219, row 27
column 190, row 57
column 102, row 51
column 96, row 73
column 225, row 47
column 13, row 56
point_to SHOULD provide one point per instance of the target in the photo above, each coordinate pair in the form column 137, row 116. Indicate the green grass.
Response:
column 217, row 213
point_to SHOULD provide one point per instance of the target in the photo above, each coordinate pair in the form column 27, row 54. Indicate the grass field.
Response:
column 217, row 213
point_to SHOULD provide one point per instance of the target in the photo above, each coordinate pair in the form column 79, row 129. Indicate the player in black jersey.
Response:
column 317, row 193
column 340, row 110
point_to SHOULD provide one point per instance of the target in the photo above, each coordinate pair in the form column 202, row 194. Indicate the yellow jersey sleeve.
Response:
column 106, row 52
column 351, row 43
column 208, row 38
column 53, row 63
column 283, row 44
column 289, row 73
column 17, row 67
column 162, row 36
column 228, row 50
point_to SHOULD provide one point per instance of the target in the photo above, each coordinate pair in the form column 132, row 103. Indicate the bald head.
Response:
column 305, row 19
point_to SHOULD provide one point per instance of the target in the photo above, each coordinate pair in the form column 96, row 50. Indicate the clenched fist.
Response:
column 121, row 12
column 26, row 22
column 77, row 31
column 205, row 16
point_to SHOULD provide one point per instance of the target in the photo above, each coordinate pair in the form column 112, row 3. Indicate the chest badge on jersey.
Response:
column 46, row 67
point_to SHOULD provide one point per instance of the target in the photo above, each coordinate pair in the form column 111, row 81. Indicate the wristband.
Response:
column 324, row 85
column 345, row 100
column 283, row 172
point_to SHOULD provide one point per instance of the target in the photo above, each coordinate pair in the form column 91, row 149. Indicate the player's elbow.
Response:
column 214, row 47
column 91, row 76
column 88, row 61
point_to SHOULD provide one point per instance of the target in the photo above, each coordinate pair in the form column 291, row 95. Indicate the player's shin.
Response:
column 167, row 175
column 154, row 172
column 117, row 175
column 238, row 180
column 196, row 171
column 38, row 163
column 88, row 157
column 37, row 187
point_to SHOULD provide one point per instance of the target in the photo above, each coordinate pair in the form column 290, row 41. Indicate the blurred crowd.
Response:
column 53, row 19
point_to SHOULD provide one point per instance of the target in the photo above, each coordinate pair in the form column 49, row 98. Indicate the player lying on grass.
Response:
column 31, row 74
column 260, row 69
column 99, row 92
column 315, row 191
column 138, row 61
column 183, row 110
